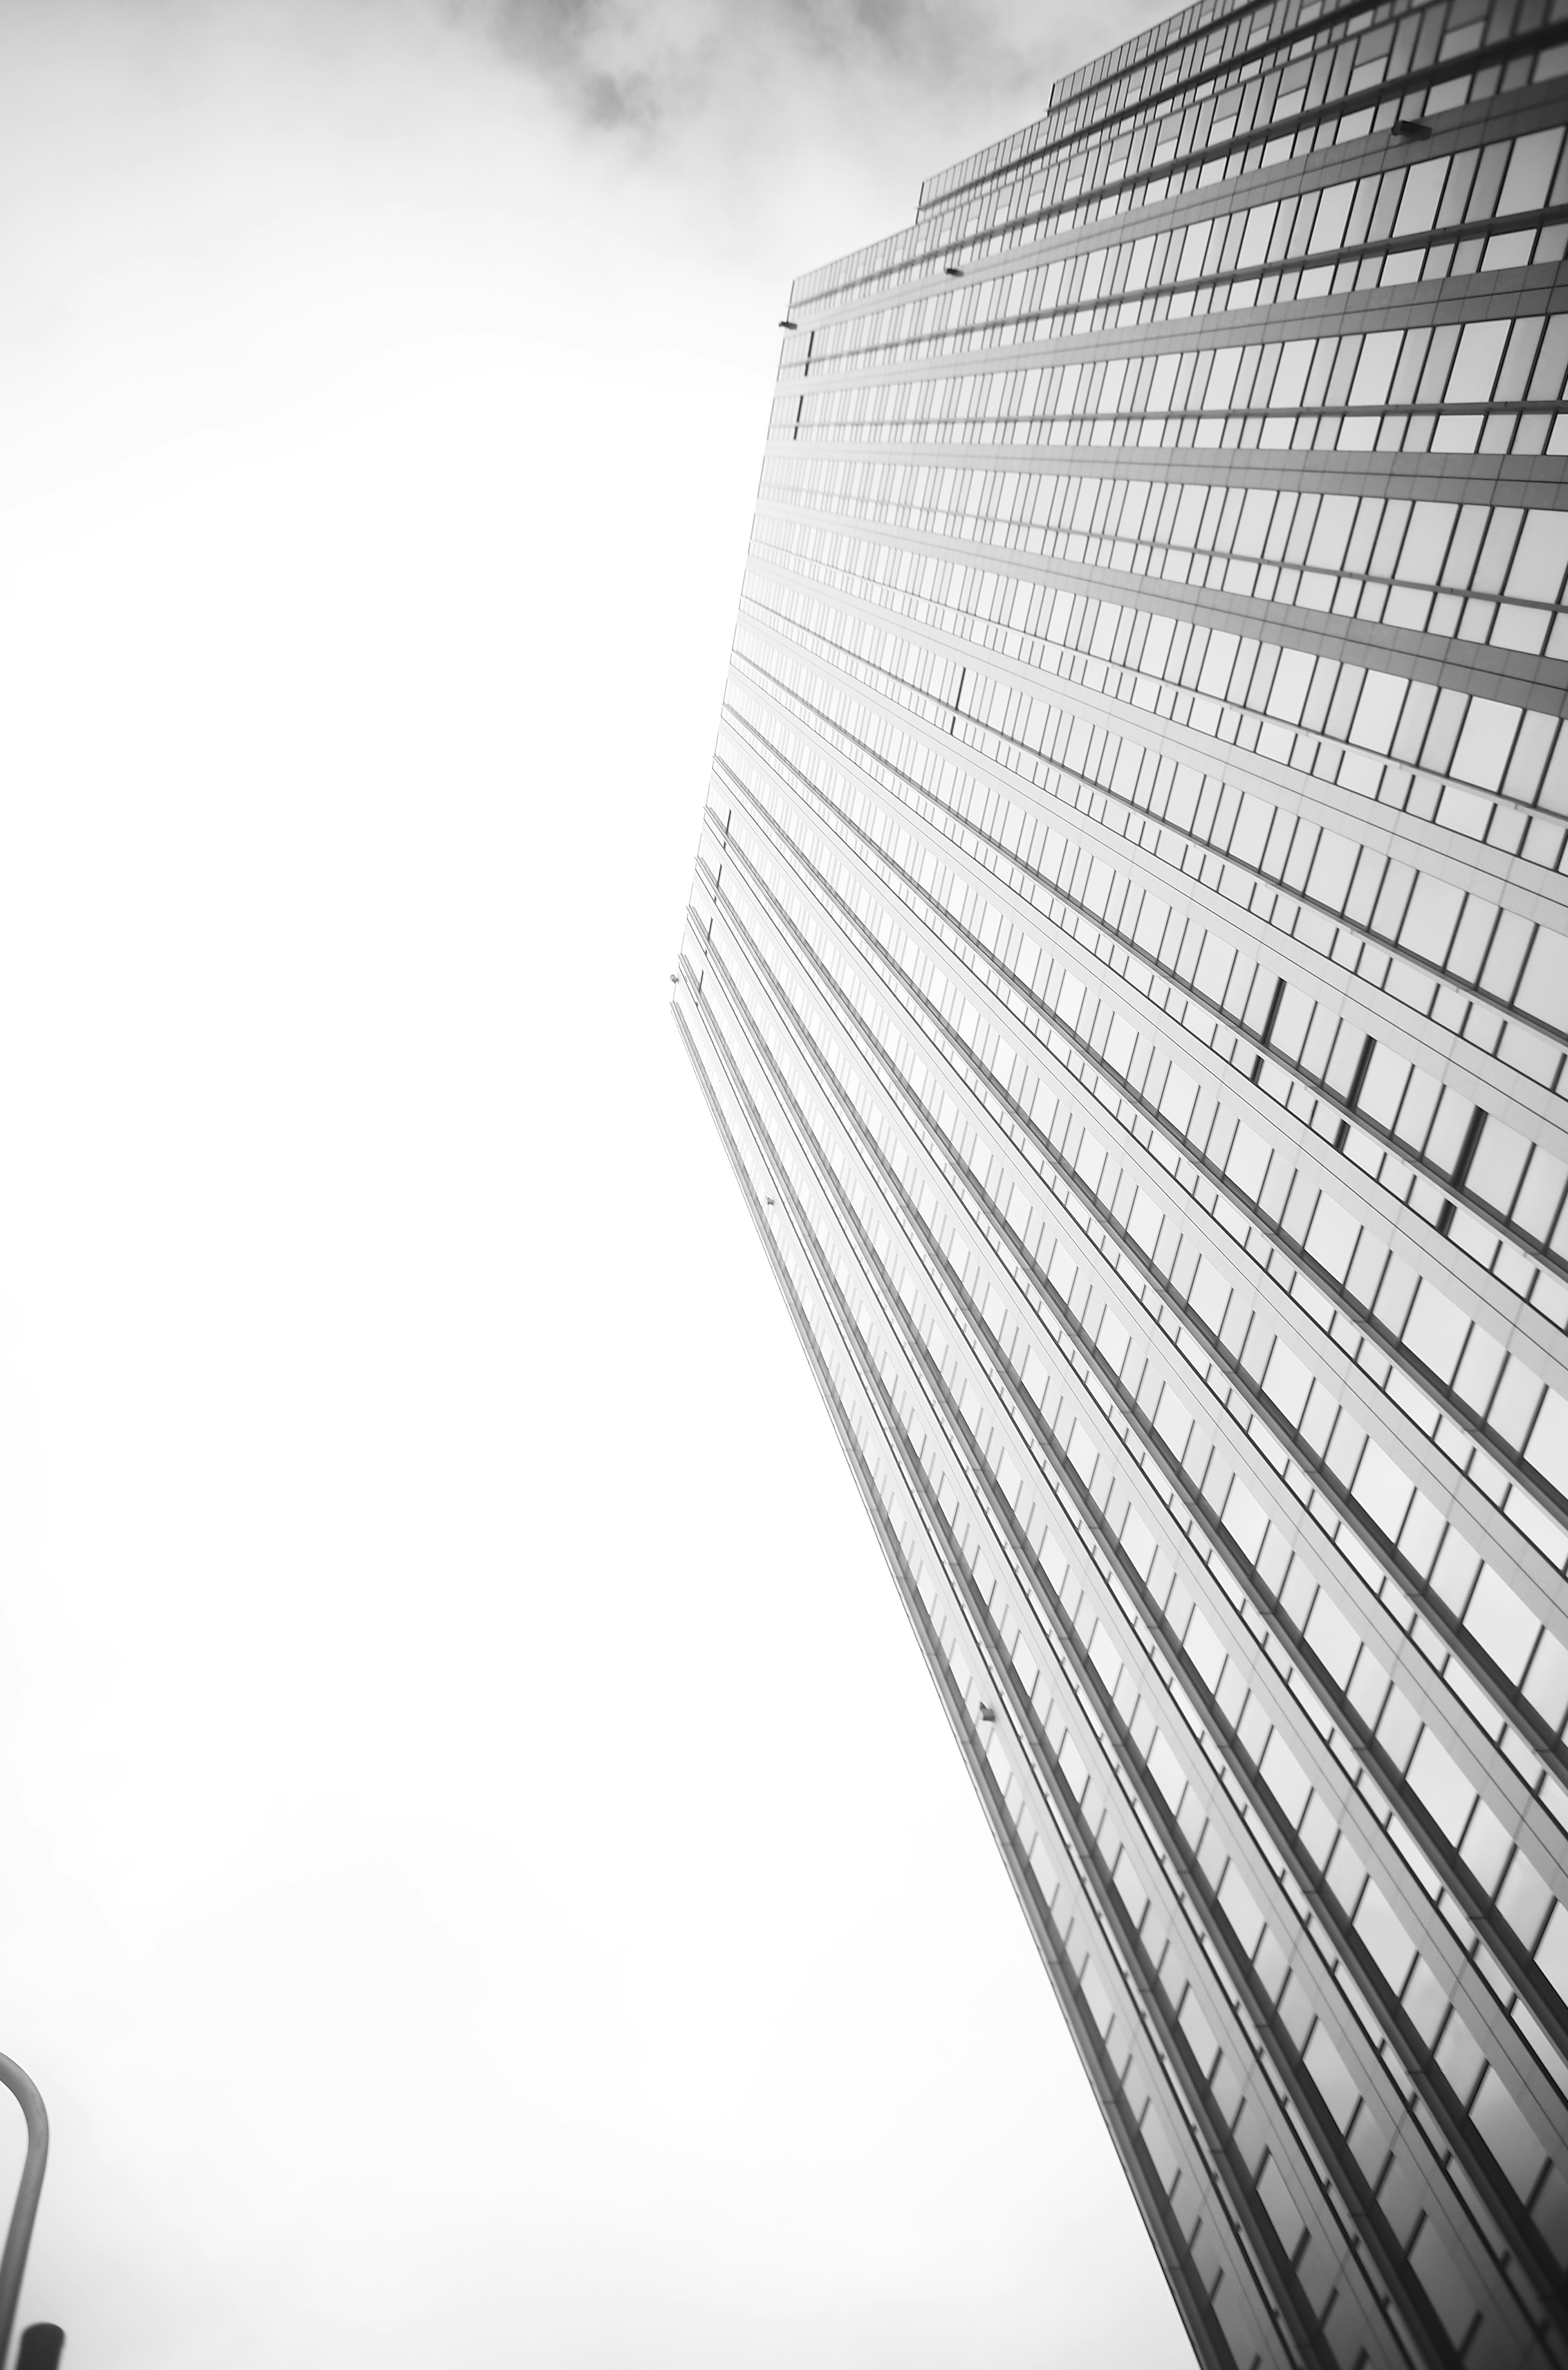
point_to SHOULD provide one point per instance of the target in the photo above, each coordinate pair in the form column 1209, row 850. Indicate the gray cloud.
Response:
column 796, row 128
column 657, row 65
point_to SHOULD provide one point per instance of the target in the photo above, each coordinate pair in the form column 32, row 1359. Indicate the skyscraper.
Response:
column 1127, row 964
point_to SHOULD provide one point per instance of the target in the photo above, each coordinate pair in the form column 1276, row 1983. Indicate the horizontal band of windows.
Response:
column 1488, row 430
column 1519, row 359
column 975, row 634
column 1426, row 263
column 1475, row 765
column 930, row 245
column 1468, row 571
column 989, row 229
column 1511, row 190
column 1217, row 139
column 1318, row 71
column 1081, row 749
column 1034, row 737
column 1134, row 170
column 1211, row 88
column 1283, row 867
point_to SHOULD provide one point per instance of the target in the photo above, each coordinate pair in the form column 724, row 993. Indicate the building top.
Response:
column 1205, row 97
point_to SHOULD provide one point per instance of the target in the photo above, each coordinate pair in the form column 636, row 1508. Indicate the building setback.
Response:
column 1128, row 964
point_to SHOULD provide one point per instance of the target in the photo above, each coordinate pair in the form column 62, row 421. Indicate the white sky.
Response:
column 485, row 1876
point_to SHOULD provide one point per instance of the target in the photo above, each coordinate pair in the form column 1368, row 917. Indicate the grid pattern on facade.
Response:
column 1128, row 964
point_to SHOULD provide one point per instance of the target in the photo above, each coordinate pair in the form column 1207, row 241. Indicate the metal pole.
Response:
column 13, row 2262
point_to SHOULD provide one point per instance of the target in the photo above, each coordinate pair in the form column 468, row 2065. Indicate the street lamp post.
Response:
column 13, row 2262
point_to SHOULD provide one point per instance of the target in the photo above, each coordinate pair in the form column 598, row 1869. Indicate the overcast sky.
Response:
column 485, row 1876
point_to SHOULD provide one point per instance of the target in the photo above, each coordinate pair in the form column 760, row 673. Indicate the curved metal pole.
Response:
column 13, row 2262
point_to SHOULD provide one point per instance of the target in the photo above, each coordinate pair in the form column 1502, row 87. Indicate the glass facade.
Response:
column 1127, row 964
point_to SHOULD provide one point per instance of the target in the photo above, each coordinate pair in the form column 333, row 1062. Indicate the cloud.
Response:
column 784, row 131
column 659, row 67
